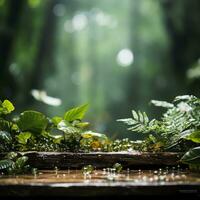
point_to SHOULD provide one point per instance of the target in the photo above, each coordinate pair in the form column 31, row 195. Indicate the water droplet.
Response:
column 34, row 172
column 127, row 170
column 56, row 170
column 68, row 170
column 155, row 172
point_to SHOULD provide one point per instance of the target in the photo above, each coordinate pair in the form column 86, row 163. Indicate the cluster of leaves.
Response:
column 177, row 130
column 14, row 164
column 32, row 130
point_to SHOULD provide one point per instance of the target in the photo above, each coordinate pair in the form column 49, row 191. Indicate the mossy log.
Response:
column 64, row 160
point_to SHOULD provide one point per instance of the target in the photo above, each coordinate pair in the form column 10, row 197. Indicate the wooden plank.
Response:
column 74, row 184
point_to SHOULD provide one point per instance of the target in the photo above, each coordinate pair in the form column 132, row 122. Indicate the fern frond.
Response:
column 185, row 98
column 139, row 123
column 5, row 137
column 5, row 164
column 163, row 104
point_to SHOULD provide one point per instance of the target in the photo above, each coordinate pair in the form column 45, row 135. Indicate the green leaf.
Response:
column 76, row 113
column 66, row 127
column 20, row 162
column 82, row 125
column 23, row 137
column 139, row 123
column 192, row 156
column 56, row 120
column 5, row 137
column 163, row 104
column 194, row 136
column 7, row 106
column 56, row 133
column 184, row 98
column 5, row 164
column 11, row 155
column 32, row 121
column 91, row 134
column 4, row 125
column 118, row 167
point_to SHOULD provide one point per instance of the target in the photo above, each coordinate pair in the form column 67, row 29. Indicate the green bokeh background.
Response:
column 69, row 49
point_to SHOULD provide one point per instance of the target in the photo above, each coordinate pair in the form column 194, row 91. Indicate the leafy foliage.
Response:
column 5, row 141
column 192, row 156
column 32, row 121
column 178, row 129
column 118, row 167
column 23, row 137
column 181, row 115
column 92, row 141
column 76, row 113
column 139, row 122
column 6, row 107
column 14, row 164
column 5, row 164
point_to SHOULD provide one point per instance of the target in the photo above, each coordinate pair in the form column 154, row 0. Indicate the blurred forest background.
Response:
column 116, row 55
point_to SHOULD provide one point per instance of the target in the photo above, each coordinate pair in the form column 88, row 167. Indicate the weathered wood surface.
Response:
column 64, row 160
column 74, row 184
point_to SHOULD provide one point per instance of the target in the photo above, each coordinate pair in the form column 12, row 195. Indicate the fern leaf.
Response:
column 5, row 137
column 135, row 115
column 5, row 164
column 128, row 121
column 139, row 122
column 163, row 104
column 184, row 98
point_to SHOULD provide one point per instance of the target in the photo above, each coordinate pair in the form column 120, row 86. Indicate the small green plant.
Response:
column 118, row 167
column 33, row 131
column 88, row 169
column 14, row 164
column 177, row 130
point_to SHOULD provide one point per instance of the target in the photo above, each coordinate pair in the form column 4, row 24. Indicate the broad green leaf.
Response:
column 195, row 137
column 8, row 106
column 66, row 127
column 11, row 155
column 63, row 125
column 23, row 137
column 32, row 121
column 76, row 113
column 5, row 164
column 56, row 120
column 56, row 133
column 192, row 156
column 20, row 162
